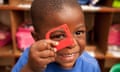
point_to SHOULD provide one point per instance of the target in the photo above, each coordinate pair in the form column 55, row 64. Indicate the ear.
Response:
column 35, row 36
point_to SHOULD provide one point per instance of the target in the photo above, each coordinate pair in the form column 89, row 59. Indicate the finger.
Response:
column 44, row 44
column 46, row 53
column 54, row 49
column 53, row 43
column 40, row 45
column 45, row 61
column 47, row 44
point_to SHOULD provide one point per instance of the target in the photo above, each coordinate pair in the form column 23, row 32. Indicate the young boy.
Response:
column 42, row 56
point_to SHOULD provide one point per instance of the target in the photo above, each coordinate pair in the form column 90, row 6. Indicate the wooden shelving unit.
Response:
column 91, row 9
column 101, row 19
column 6, row 51
column 17, row 8
column 110, row 56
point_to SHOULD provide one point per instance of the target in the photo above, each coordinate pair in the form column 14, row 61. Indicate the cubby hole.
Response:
column 93, row 35
column 113, row 49
column 6, row 48
column 6, row 2
column 20, row 17
column 6, row 64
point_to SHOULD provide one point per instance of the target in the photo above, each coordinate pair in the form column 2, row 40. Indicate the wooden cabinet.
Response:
column 98, row 21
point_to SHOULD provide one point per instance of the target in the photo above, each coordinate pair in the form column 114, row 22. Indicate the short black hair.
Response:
column 42, row 8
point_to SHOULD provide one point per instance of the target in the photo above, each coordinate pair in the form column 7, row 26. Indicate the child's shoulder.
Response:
column 88, row 59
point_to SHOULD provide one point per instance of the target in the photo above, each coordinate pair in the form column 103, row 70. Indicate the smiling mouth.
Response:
column 68, row 54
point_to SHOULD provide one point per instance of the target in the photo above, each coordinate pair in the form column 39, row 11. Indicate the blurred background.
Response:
column 102, row 18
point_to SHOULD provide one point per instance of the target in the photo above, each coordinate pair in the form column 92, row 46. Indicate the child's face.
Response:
column 75, row 21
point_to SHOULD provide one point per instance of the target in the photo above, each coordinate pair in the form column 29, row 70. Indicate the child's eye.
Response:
column 80, row 32
column 58, row 37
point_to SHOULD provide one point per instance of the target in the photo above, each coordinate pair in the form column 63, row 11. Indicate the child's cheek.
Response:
column 81, row 43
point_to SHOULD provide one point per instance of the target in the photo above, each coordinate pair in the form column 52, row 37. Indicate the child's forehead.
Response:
column 67, row 15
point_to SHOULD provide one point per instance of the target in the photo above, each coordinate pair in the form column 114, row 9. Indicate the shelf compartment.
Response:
column 92, row 49
column 6, row 51
column 101, row 9
column 17, row 53
column 8, row 7
column 110, row 56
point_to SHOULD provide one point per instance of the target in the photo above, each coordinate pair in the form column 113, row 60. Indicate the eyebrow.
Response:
column 80, row 26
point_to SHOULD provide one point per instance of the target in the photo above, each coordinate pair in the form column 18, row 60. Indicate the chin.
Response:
column 68, row 65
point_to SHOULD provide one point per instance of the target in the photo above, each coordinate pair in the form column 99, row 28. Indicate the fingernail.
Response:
column 55, row 50
column 56, row 43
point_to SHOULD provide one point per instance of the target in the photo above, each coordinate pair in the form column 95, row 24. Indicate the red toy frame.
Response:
column 68, row 41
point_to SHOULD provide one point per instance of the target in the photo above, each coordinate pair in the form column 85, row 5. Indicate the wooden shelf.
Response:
column 108, row 9
column 6, row 51
column 110, row 56
column 96, row 53
column 18, row 53
column 99, row 55
column 101, row 9
column 8, row 7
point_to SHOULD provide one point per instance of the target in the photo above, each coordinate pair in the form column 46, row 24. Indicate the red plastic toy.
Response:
column 68, row 41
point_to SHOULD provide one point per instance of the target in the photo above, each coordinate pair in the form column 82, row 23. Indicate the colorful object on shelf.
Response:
column 116, row 3
column 115, row 68
column 5, row 38
column 88, row 2
column 114, row 35
column 84, row 2
column 24, row 37
column 1, row 2
column 114, row 50
column 63, row 43
column 5, row 35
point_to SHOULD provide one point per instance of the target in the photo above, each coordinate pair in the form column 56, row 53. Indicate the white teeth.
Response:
column 68, row 55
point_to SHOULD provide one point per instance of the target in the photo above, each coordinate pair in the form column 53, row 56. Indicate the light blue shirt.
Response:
column 85, row 63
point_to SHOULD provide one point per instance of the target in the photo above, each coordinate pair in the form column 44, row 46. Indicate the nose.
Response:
column 72, row 45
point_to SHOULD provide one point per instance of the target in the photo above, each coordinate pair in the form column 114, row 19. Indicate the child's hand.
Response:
column 41, row 53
